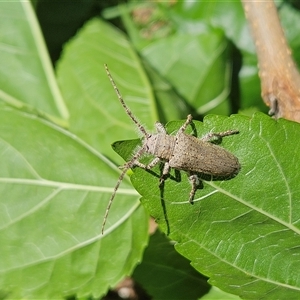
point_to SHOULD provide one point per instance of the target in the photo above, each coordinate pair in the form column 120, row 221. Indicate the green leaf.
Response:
column 54, row 192
column 198, row 16
column 167, row 275
column 170, row 105
column 243, row 233
column 178, row 57
column 26, row 75
column 217, row 294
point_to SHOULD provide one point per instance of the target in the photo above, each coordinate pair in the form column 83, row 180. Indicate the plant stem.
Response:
column 280, row 79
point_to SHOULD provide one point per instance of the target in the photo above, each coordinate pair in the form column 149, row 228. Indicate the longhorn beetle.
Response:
column 181, row 151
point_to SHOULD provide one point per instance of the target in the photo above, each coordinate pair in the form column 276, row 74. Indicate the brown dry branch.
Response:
column 280, row 79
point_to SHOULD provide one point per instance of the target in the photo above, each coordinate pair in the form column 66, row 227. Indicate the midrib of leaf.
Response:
column 255, row 208
column 55, row 183
column 79, row 244
column 283, row 178
column 214, row 56
column 11, row 100
column 62, row 186
column 70, row 135
column 67, row 186
column 220, row 98
column 45, row 61
column 29, row 166
column 235, row 266
column 242, row 270
column 30, row 211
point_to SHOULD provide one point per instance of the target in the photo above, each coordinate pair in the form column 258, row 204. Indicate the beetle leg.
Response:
column 153, row 163
column 139, row 164
column 185, row 125
column 194, row 180
column 165, row 172
column 149, row 166
column 213, row 136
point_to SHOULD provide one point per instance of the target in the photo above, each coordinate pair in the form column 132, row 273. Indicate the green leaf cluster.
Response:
column 58, row 170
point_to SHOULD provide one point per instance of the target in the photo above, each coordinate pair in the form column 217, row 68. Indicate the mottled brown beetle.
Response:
column 181, row 151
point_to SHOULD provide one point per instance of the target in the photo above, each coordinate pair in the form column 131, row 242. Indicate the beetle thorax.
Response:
column 160, row 145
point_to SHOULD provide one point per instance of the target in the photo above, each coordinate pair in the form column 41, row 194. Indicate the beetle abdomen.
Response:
column 195, row 155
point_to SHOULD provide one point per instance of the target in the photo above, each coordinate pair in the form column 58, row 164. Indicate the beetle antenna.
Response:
column 126, row 167
column 127, row 109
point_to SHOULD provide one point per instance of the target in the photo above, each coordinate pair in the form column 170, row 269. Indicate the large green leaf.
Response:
column 54, row 187
column 26, row 75
column 244, row 232
column 54, row 190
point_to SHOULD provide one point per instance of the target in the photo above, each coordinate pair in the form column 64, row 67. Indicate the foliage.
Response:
column 57, row 168
column 172, row 271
